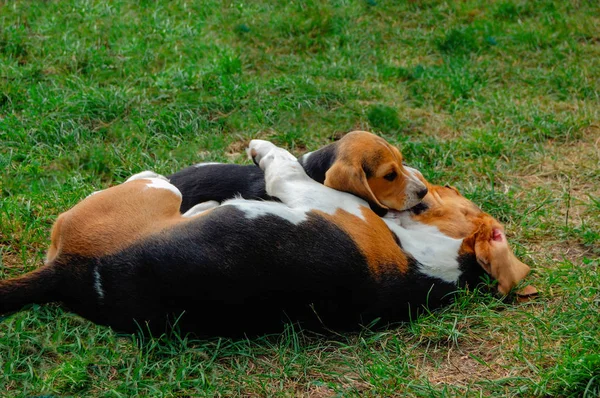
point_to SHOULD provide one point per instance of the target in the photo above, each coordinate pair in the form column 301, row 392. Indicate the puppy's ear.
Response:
column 351, row 178
column 318, row 162
column 495, row 256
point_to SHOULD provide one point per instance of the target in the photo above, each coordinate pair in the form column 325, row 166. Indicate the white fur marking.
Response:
column 413, row 186
column 415, row 173
column 436, row 253
column 305, row 157
column 159, row 183
column 98, row 283
column 206, row 164
column 256, row 208
column 146, row 174
column 201, row 208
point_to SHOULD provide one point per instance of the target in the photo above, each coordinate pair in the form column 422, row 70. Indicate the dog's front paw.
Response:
column 261, row 152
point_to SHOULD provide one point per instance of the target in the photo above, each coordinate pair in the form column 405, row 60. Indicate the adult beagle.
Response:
column 360, row 163
column 127, row 258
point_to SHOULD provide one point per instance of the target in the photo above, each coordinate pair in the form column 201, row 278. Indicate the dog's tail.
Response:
column 35, row 287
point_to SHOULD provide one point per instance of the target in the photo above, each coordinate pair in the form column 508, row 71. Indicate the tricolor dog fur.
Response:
column 360, row 163
column 127, row 257
column 442, row 210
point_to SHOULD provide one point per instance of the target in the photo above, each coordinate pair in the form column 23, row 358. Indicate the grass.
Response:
column 500, row 98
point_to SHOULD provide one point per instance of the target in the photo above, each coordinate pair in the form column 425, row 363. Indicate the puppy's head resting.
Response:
column 456, row 216
column 367, row 166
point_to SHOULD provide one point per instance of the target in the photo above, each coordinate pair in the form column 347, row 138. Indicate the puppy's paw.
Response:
column 258, row 150
column 263, row 153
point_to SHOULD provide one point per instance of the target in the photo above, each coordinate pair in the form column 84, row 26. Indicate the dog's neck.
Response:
column 436, row 253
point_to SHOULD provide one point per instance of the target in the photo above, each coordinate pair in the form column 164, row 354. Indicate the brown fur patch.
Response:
column 373, row 238
column 113, row 219
column 55, row 239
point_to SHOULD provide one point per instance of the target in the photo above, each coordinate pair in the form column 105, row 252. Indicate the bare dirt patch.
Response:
column 236, row 150
column 468, row 366
column 10, row 260
column 570, row 172
column 548, row 252
column 433, row 124
column 571, row 167
column 13, row 264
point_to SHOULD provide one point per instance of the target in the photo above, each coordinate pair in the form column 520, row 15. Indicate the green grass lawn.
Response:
column 499, row 98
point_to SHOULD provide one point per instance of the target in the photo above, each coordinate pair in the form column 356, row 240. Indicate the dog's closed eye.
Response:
column 391, row 176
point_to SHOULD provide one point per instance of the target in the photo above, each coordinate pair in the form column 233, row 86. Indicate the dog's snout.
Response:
column 421, row 194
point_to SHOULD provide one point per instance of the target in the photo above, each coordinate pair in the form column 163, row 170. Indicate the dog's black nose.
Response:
column 421, row 194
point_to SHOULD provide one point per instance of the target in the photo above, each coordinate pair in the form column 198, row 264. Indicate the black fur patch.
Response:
column 472, row 274
column 218, row 182
column 224, row 181
column 318, row 162
column 418, row 209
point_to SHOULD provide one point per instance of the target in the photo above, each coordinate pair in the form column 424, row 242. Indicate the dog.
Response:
column 126, row 257
column 360, row 163
column 442, row 207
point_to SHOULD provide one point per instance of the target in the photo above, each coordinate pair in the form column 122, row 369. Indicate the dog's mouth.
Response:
column 415, row 210
column 418, row 208
column 403, row 217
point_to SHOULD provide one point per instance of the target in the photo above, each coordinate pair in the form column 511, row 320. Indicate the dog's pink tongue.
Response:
column 497, row 235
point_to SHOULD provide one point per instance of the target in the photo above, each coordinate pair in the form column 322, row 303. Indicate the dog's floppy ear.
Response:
column 351, row 178
column 495, row 256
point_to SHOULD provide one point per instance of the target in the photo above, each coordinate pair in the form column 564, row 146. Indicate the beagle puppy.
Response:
column 126, row 257
column 360, row 163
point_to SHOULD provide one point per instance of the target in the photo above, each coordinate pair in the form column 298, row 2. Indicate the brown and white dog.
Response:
column 126, row 257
